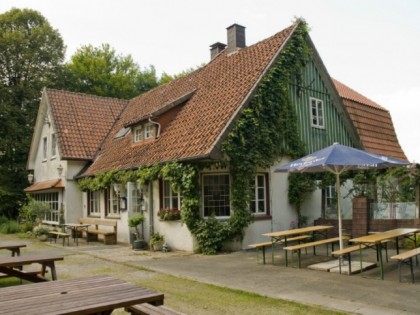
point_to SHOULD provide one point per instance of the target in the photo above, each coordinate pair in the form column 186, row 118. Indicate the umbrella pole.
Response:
column 340, row 232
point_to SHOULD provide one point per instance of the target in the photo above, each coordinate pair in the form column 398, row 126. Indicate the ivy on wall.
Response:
column 267, row 128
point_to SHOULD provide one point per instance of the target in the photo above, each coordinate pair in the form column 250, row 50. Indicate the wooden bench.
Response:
column 346, row 252
column 149, row 309
column 326, row 241
column 109, row 236
column 54, row 235
column 263, row 245
column 407, row 258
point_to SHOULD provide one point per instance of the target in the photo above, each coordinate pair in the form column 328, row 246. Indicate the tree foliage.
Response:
column 101, row 71
column 31, row 53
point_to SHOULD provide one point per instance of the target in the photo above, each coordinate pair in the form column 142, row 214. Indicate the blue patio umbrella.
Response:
column 338, row 159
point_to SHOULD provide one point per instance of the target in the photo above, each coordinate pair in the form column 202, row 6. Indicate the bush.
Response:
column 41, row 230
column 34, row 211
column 10, row 227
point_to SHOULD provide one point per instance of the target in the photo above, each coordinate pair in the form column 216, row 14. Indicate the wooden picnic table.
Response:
column 88, row 295
column 283, row 235
column 75, row 228
column 14, row 247
column 12, row 266
column 379, row 239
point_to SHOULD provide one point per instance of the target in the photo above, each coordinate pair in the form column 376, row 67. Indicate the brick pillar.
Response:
column 361, row 206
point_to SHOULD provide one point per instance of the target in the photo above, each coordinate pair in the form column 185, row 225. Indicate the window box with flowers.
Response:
column 169, row 214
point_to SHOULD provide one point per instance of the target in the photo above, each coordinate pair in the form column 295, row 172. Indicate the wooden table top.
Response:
column 75, row 296
column 28, row 259
column 10, row 245
column 307, row 229
column 379, row 237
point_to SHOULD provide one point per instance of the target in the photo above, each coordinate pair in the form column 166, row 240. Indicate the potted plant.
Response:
column 134, row 222
column 156, row 241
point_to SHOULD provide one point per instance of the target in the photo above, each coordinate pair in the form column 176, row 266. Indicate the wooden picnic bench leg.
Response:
column 299, row 258
column 50, row 265
column 411, row 269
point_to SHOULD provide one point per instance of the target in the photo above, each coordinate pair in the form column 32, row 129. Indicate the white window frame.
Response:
column 44, row 148
column 53, row 145
column 317, row 112
column 51, row 199
column 215, row 204
column 149, row 131
column 256, row 199
column 113, row 203
column 94, row 206
column 137, row 200
column 170, row 198
column 138, row 134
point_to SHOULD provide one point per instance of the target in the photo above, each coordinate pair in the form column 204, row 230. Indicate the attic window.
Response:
column 138, row 134
column 123, row 131
column 317, row 112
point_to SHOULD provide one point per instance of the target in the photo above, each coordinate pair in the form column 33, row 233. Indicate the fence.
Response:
column 392, row 211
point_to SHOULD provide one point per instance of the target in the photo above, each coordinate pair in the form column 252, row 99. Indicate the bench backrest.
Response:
column 96, row 222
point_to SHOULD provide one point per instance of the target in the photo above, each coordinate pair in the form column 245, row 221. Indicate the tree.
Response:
column 31, row 53
column 100, row 71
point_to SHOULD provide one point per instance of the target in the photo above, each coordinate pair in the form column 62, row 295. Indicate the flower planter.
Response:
column 139, row 244
column 157, row 246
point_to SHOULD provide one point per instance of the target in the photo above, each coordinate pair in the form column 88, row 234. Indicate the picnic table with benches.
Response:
column 378, row 240
column 87, row 295
column 12, row 266
column 407, row 258
column 14, row 247
column 105, row 227
column 285, row 235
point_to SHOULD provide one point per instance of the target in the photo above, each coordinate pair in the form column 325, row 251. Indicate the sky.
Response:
column 372, row 46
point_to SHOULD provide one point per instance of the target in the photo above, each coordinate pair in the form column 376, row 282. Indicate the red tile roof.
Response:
column 373, row 123
column 82, row 121
column 48, row 184
column 220, row 90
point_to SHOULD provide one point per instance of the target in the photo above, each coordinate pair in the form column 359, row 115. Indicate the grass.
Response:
column 190, row 297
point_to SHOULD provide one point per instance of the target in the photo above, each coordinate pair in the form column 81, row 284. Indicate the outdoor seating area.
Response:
column 377, row 241
column 95, row 227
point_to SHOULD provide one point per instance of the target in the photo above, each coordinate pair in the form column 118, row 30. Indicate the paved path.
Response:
column 239, row 270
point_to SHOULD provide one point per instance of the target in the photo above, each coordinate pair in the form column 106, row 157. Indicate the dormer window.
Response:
column 149, row 132
column 138, row 134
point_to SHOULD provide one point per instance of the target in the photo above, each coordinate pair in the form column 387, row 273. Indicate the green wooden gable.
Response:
column 337, row 127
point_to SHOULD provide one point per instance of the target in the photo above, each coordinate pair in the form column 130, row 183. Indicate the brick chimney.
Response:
column 235, row 38
column 215, row 49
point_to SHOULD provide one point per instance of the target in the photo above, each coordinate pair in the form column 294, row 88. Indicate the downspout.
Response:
column 157, row 124
column 151, row 220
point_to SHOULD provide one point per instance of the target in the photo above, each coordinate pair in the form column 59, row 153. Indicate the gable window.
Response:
column 216, row 195
column 149, row 132
column 53, row 145
column 94, row 203
column 258, row 204
column 44, row 148
column 317, row 112
column 138, row 134
column 170, row 198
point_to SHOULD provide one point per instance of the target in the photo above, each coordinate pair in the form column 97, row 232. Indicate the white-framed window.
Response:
column 170, row 198
column 50, row 199
column 149, row 132
column 113, row 203
column 53, row 145
column 330, row 202
column 258, row 204
column 94, row 203
column 216, row 195
column 137, row 200
column 44, row 148
column 317, row 112
column 138, row 134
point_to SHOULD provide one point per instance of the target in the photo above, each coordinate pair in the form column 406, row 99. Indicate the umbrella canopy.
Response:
column 337, row 159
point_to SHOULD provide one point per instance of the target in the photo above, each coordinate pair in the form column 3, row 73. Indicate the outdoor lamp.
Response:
column 60, row 170
column 30, row 178
column 117, row 188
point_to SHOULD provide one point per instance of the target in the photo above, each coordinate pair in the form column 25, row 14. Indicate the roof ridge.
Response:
column 87, row 94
